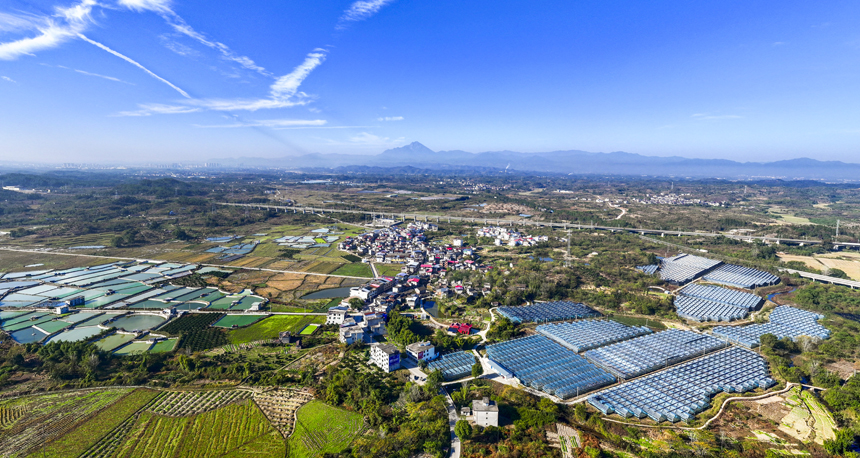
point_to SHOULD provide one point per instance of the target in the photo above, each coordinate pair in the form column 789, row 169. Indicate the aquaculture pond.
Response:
column 28, row 335
column 137, row 322
column 330, row 293
column 114, row 341
column 77, row 334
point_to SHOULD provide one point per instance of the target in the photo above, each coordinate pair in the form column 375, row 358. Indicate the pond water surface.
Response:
column 137, row 322
column 330, row 293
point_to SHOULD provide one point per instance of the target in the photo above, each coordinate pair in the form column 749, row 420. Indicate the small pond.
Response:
column 137, row 322
column 28, row 335
column 77, row 334
column 330, row 293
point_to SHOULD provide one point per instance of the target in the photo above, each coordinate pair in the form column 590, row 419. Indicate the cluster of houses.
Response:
column 510, row 237
column 388, row 358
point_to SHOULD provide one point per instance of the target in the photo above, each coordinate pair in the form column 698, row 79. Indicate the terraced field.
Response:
column 32, row 421
column 82, row 441
column 185, row 403
column 323, row 429
column 237, row 430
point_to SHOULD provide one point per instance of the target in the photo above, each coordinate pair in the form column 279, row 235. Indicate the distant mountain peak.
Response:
column 412, row 148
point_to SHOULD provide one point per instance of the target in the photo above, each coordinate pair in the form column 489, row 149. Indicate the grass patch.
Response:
column 351, row 258
column 354, row 270
column 271, row 326
column 636, row 321
column 323, row 429
column 309, row 329
column 388, row 270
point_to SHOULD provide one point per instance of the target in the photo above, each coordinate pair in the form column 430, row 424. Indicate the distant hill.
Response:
column 417, row 156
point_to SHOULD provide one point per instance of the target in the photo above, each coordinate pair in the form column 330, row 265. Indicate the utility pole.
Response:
column 837, row 230
column 567, row 261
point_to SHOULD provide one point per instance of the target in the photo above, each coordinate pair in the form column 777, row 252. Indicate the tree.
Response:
column 356, row 303
column 463, row 429
column 477, row 370
column 434, row 382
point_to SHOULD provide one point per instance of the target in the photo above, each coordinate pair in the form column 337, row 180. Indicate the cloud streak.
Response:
column 390, row 118
column 359, row 11
column 148, row 109
column 163, row 8
column 6, row 78
column 271, row 123
column 133, row 62
column 111, row 78
column 64, row 25
column 706, row 116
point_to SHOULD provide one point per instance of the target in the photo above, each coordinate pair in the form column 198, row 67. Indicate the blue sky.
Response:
column 161, row 80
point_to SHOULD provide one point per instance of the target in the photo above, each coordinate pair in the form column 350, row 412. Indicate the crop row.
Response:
column 183, row 403
column 50, row 417
column 202, row 340
column 191, row 322
column 122, row 417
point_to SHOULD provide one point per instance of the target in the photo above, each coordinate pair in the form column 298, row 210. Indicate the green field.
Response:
column 238, row 320
column 238, row 430
column 309, row 329
column 323, row 429
column 164, row 346
column 271, row 326
column 30, row 422
column 355, row 269
column 80, row 439
column 388, row 270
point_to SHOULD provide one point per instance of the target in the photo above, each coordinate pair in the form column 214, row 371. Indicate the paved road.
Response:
column 452, row 422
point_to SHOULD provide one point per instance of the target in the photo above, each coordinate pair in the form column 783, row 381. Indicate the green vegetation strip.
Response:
column 80, row 439
column 271, row 326
column 238, row 320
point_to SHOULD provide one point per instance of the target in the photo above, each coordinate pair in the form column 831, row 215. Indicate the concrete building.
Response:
column 421, row 351
column 336, row 315
column 486, row 412
column 386, row 356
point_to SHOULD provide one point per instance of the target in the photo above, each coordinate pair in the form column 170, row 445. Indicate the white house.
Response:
column 386, row 356
column 421, row 351
column 336, row 315
column 486, row 412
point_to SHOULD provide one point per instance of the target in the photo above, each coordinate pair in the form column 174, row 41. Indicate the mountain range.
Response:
column 417, row 156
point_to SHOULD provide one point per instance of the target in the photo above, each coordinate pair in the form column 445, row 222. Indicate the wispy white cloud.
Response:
column 287, row 85
column 283, row 93
column 6, row 78
column 272, row 123
column 64, row 25
column 779, row 43
column 159, row 6
column 111, row 78
column 360, row 11
column 133, row 62
column 707, row 116
column 156, row 108
column 390, row 118
column 163, row 8
column 368, row 139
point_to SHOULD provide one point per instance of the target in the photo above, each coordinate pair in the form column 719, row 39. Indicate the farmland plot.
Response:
column 84, row 440
column 50, row 416
column 323, row 429
column 238, row 430
column 185, row 403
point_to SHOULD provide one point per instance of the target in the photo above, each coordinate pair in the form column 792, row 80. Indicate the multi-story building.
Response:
column 386, row 356
column 486, row 412
column 421, row 351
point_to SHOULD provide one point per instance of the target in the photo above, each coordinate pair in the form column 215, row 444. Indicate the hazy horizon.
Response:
column 162, row 80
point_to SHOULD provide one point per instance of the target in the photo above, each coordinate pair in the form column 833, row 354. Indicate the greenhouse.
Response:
column 742, row 277
column 542, row 364
column 542, row 312
column 648, row 353
column 784, row 321
column 454, row 365
column 580, row 336
column 723, row 295
column 682, row 392
column 693, row 308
